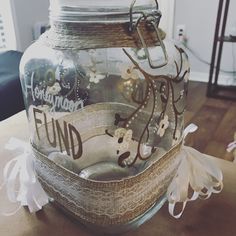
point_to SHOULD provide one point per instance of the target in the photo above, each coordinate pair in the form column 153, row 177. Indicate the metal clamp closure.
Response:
column 152, row 21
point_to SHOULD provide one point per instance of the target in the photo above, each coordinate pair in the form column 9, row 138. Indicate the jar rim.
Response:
column 100, row 3
column 96, row 11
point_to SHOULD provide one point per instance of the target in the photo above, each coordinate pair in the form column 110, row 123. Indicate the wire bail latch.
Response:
column 152, row 20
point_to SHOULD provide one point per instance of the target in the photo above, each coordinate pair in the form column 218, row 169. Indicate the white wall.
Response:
column 199, row 18
column 167, row 8
column 26, row 13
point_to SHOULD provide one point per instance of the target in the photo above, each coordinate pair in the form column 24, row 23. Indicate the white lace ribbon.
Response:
column 196, row 173
column 20, row 179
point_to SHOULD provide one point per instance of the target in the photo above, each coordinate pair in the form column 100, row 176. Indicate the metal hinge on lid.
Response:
column 152, row 20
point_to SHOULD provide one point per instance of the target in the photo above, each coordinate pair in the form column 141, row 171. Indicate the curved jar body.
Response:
column 105, row 97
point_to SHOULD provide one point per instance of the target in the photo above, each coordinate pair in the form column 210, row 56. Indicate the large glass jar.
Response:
column 105, row 96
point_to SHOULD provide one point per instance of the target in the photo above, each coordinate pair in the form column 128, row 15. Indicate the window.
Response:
column 7, row 31
column 2, row 34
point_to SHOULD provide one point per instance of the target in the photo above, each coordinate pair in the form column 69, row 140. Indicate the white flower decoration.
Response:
column 146, row 150
column 176, row 138
column 55, row 89
column 95, row 77
column 120, row 132
column 164, row 123
column 126, row 136
column 129, row 72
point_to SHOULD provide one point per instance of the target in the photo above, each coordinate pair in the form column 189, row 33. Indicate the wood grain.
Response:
column 216, row 120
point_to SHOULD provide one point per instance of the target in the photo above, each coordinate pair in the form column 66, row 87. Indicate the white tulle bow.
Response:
column 20, row 179
column 231, row 146
column 197, row 174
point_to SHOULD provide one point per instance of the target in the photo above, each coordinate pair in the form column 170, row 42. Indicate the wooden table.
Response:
column 216, row 216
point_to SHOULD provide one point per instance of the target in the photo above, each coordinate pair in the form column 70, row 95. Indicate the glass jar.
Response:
column 105, row 96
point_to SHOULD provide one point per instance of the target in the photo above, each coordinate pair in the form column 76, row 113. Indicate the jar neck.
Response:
column 65, row 35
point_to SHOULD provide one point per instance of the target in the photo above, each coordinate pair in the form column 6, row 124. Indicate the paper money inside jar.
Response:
column 105, row 96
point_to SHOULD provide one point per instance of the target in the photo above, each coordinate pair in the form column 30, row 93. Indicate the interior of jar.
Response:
column 99, row 159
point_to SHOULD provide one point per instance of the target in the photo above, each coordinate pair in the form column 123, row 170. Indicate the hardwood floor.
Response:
column 215, row 118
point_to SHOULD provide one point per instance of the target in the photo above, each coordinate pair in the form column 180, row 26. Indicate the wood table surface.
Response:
column 215, row 216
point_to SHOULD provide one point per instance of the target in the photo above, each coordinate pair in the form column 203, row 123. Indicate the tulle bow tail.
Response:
column 20, row 180
column 197, row 174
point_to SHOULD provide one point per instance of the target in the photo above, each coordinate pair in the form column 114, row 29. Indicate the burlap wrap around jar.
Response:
column 105, row 95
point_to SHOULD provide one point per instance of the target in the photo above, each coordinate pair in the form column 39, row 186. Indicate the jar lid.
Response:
column 97, row 10
column 101, row 3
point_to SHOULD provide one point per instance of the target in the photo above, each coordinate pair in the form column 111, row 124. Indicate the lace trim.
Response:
column 107, row 203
